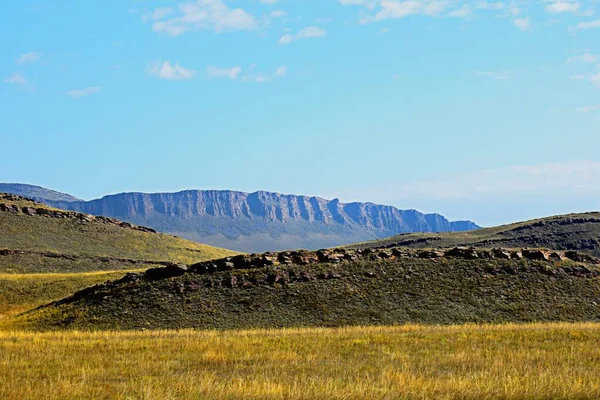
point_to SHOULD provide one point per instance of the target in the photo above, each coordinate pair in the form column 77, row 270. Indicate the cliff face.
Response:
column 263, row 221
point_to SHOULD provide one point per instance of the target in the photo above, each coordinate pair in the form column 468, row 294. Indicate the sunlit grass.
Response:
column 21, row 292
column 533, row 361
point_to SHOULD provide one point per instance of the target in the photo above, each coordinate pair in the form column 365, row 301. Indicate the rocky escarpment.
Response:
column 263, row 221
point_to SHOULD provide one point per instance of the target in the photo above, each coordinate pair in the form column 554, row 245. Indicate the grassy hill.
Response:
column 38, row 238
column 566, row 232
column 339, row 288
column 47, row 254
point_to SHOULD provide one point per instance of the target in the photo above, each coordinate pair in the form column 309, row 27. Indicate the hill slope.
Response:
column 262, row 221
column 340, row 287
column 38, row 238
column 566, row 232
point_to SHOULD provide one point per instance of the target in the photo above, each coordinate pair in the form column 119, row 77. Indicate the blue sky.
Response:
column 482, row 110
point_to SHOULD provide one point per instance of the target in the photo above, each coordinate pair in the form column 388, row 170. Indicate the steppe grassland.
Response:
column 531, row 361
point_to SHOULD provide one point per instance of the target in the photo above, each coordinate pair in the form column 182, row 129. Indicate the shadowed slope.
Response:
column 338, row 287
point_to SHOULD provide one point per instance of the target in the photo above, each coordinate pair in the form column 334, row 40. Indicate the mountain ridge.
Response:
column 37, row 193
column 262, row 220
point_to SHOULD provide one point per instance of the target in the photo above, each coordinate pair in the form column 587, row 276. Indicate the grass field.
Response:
column 534, row 361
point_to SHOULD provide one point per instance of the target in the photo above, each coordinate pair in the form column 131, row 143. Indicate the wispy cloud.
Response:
column 157, row 14
column 523, row 24
column 589, row 24
column 584, row 58
column 16, row 79
column 492, row 74
column 305, row 33
column 29, row 57
column 166, row 70
column 262, row 77
column 83, row 92
column 587, row 109
column 216, row 72
column 579, row 176
column 277, row 14
column 202, row 14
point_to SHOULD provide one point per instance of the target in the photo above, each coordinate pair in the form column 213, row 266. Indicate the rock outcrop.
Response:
column 276, row 262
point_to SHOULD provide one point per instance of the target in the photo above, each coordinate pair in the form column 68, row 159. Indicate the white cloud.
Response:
column 494, row 75
column 269, row 1
column 83, row 92
column 557, row 7
column 596, row 79
column 589, row 25
column 29, row 57
column 165, row 70
column 216, row 72
column 576, row 177
column 577, row 77
column 305, row 33
column 16, row 79
column 523, row 24
column 394, row 9
column 584, row 58
column 205, row 14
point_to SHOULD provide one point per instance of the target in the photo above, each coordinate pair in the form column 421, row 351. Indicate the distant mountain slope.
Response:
column 263, row 221
column 38, row 238
column 36, row 193
column 565, row 232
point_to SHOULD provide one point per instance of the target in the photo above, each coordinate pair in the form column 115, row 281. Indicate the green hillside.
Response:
column 579, row 232
column 37, row 238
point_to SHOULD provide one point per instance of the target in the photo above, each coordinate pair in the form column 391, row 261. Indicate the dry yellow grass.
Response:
column 536, row 361
column 22, row 292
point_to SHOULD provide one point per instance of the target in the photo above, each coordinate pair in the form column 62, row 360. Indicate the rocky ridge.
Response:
column 275, row 271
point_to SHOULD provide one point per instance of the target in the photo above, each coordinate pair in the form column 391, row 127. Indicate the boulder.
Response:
column 581, row 257
column 501, row 253
column 29, row 211
column 157, row 274
column 535, row 254
column 430, row 254
column 463, row 252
